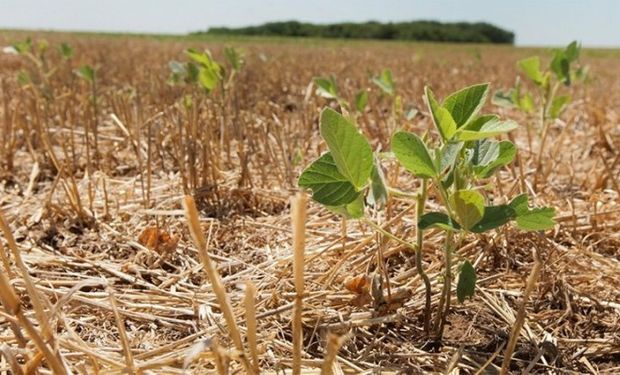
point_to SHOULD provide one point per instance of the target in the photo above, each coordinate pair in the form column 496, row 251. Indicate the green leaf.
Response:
column 532, row 219
column 203, row 58
column 361, row 100
column 466, row 285
column 208, row 79
column 531, row 68
column 66, row 51
column 494, row 217
column 449, row 153
column 326, row 87
column 353, row 210
column 489, row 129
column 442, row 118
column 385, row 82
column 477, row 124
column 526, row 103
column 504, row 99
column 22, row 47
column 468, row 206
column 437, row 220
column 378, row 190
column 519, row 204
column 448, row 180
column 192, row 71
column 86, row 72
column 536, row 219
column 234, row 57
column 412, row 153
column 485, row 151
column 581, row 74
column 560, row 66
column 349, row 148
column 42, row 46
column 572, row 51
column 445, row 122
column 490, row 155
column 557, row 105
column 328, row 185
column 209, row 71
column 466, row 103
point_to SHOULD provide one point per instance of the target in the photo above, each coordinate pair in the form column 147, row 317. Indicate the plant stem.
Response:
column 95, row 122
column 544, row 125
column 418, row 253
column 444, row 197
column 421, row 201
column 384, row 232
column 444, row 302
column 403, row 194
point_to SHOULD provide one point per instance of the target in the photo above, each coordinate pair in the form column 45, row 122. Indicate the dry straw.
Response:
column 521, row 314
column 298, row 214
column 191, row 214
column 250, row 317
column 12, row 305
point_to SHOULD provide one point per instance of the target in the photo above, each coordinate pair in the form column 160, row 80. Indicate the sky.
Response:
column 596, row 23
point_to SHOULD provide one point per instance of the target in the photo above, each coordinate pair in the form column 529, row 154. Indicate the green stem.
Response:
column 389, row 235
column 95, row 124
column 444, row 197
column 544, row 124
column 421, row 201
column 403, row 194
column 444, row 302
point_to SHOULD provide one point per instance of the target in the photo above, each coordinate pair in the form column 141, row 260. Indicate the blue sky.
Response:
column 535, row 22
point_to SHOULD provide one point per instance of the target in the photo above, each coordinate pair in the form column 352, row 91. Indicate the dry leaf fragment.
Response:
column 159, row 240
column 358, row 284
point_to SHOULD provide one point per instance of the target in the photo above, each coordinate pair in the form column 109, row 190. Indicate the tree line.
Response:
column 433, row 31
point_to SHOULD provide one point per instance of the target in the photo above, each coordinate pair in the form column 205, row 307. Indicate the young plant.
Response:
column 217, row 80
column 89, row 74
column 463, row 156
column 38, row 73
column 385, row 83
column 326, row 88
column 453, row 164
column 563, row 70
column 210, row 72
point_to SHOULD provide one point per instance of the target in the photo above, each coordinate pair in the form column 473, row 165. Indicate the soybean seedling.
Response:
column 327, row 88
column 454, row 164
column 212, row 76
column 547, row 101
column 89, row 74
column 385, row 83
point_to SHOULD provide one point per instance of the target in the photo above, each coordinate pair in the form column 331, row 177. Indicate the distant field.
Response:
column 92, row 179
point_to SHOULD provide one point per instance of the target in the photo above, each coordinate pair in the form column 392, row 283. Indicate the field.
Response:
column 97, row 247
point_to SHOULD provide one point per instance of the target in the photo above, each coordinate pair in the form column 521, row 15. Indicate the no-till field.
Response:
column 81, row 214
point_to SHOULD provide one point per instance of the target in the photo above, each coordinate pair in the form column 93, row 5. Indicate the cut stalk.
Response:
column 516, row 328
column 334, row 343
column 122, row 333
column 298, row 213
column 191, row 214
column 8, row 299
column 250, row 317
